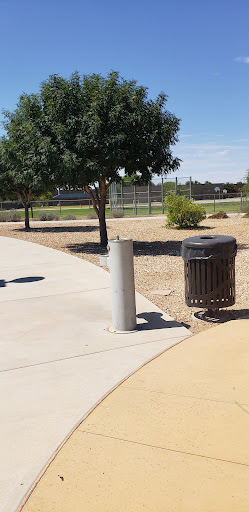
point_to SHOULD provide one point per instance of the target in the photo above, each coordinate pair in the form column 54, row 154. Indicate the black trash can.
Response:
column 209, row 271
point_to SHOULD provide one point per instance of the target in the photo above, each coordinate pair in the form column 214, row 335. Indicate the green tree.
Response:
column 245, row 188
column 100, row 126
column 230, row 187
column 26, row 153
column 168, row 187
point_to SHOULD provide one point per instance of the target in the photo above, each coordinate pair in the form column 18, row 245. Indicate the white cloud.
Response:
column 222, row 153
column 245, row 60
column 213, row 147
column 215, row 162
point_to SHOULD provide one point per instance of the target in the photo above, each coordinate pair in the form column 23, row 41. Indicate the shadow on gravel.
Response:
column 170, row 248
column 221, row 316
column 242, row 247
column 61, row 229
column 86, row 247
column 156, row 248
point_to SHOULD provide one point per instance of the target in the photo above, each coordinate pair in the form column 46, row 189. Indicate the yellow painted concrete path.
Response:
column 172, row 437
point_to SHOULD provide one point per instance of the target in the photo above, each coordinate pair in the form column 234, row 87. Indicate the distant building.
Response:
column 69, row 194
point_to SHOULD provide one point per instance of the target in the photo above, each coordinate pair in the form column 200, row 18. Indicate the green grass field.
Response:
column 228, row 207
column 231, row 207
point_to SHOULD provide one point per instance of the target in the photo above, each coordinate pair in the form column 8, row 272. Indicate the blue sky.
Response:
column 195, row 51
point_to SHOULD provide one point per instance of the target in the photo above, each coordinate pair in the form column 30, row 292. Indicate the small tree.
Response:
column 103, row 125
column 26, row 154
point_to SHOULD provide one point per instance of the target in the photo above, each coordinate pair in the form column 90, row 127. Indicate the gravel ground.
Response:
column 158, row 265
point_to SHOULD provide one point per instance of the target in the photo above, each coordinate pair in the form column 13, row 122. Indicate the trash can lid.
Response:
column 208, row 246
column 208, row 241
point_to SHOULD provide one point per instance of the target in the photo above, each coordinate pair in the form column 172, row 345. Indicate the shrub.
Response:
column 182, row 212
column 92, row 215
column 70, row 216
column 246, row 208
column 47, row 216
column 219, row 215
column 117, row 213
column 14, row 216
column 10, row 216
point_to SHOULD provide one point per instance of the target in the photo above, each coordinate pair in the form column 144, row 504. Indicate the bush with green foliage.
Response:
column 246, row 208
column 245, row 188
column 10, row 216
column 48, row 216
column 183, row 212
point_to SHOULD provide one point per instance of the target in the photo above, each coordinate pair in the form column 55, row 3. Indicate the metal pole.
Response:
column 122, row 284
column 214, row 203
column 60, row 207
column 135, row 200
column 176, row 187
column 162, row 198
column 149, row 203
column 31, row 209
column 190, row 187
column 241, row 201
column 122, row 199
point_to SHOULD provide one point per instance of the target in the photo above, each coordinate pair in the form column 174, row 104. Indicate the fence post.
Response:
column 190, row 187
column 135, row 200
column 149, row 201
column 214, row 203
column 162, row 198
column 31, row 209
column 176, row 187
column 241, row 201
column 60, row 207
column 122, row 198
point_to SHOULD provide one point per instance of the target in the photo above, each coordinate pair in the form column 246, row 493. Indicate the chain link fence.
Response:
column 128, row 199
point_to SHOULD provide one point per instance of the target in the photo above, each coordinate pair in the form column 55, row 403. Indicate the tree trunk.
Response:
column 26, row 206
column 25, row 195
column 99, row 202
column 102, row 222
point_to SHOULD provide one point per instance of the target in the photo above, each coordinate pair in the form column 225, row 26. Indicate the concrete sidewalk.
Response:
column 58, row 358
column 172, row 437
